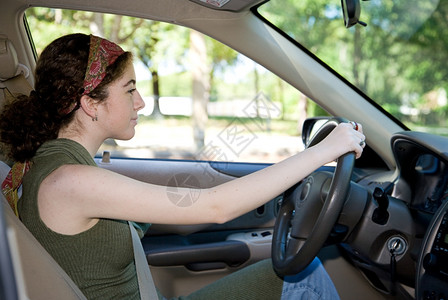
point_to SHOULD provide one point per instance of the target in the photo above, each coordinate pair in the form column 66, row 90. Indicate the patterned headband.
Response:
column 102, row 53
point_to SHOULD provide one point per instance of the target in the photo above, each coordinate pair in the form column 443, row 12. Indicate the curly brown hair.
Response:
column 29, row 121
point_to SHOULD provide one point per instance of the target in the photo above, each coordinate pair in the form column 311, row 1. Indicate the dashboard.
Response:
column 432, row 183
column 423, row 164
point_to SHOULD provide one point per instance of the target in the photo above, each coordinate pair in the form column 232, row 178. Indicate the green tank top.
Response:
column 100, row 260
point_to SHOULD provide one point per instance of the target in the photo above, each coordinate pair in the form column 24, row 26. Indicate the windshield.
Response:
column 399, row 60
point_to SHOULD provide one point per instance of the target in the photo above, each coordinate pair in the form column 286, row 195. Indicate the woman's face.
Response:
column 118, row 113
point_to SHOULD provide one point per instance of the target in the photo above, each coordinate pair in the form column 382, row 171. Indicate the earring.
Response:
column 95, row 118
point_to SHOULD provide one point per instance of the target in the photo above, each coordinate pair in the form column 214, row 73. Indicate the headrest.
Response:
column 4, row 170
column 9, row 64
column 12, row 73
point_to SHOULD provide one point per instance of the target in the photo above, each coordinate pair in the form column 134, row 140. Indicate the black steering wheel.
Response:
column 310, row 210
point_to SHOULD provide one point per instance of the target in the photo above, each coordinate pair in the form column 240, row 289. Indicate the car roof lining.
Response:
column 173, row 11
column 231, row 5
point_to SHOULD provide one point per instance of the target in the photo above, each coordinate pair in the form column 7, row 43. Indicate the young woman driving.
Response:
column 85, row 92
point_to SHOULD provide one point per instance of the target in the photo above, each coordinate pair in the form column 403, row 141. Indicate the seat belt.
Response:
column 145, row 282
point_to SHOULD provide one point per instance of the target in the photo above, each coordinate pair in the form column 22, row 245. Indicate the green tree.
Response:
column 207, row 56
column 201, row 86
column 145, row 43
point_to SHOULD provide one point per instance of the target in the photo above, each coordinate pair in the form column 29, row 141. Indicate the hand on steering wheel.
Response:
column 309, row 212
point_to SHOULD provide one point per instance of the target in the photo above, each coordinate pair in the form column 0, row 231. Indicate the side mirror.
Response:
column 351, row 10
column 310, row 126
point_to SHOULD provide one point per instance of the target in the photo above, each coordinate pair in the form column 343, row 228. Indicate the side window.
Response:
column 203, row 100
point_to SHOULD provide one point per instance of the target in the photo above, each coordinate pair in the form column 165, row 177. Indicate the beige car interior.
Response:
column 12, row 74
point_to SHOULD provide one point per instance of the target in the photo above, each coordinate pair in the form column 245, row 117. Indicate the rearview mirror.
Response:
column 351, row 10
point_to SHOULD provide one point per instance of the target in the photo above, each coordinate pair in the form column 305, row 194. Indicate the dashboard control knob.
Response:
column 430, row 262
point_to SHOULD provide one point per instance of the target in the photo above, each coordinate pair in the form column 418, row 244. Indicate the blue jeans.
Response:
column 312, row 283
column 260, row 282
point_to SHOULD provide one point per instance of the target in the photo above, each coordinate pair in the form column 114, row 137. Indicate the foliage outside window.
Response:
column 209, row 104
column 400, row 59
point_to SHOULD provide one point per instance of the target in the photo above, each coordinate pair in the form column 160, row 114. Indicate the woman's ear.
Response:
column 89, row 106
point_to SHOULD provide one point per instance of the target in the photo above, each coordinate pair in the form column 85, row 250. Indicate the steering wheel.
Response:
column 310, row 209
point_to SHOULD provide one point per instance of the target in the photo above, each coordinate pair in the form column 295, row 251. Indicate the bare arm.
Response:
column 90, row 193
